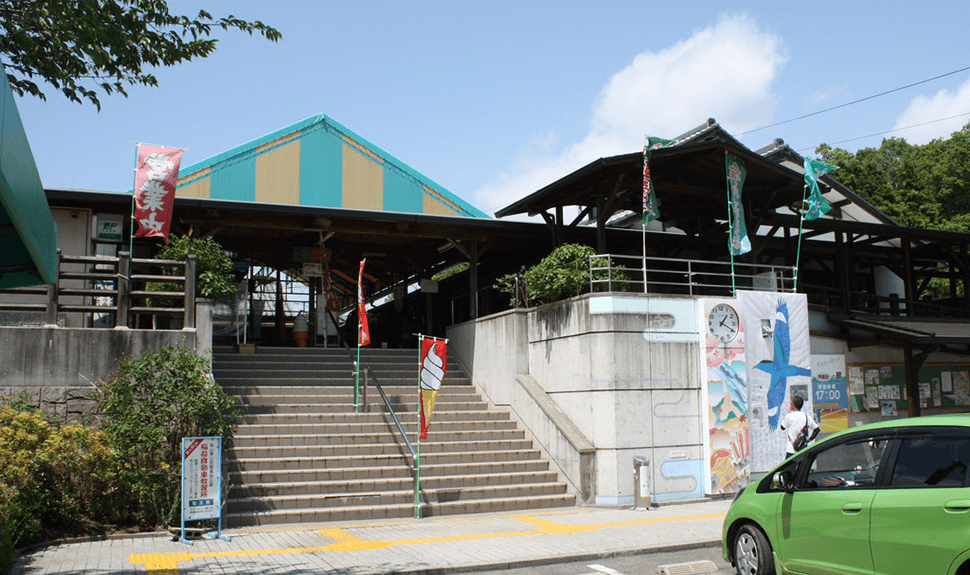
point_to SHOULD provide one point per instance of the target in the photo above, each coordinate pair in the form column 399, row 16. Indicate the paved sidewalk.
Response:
column 458, row 543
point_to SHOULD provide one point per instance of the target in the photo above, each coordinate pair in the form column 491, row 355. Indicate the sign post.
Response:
column 202, row 482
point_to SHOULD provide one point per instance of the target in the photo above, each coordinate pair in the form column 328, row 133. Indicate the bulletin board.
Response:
column 882, row 387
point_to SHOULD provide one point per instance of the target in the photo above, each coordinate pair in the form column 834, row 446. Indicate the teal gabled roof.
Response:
column 319, row 162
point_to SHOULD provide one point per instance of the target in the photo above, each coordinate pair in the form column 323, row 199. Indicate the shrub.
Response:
column 148, row 406
column 213, row 268
column 564, row 272
column 53, row 478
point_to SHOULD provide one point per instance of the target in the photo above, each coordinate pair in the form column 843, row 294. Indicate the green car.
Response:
column 888, row 498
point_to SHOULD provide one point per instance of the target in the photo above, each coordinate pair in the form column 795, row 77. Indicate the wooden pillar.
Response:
column 560, row 228
column 123, row 284
column 473, row 282
column 314, row 285
column 52, row 290
column 912, row 382
column 188, row 320
column 911, row 296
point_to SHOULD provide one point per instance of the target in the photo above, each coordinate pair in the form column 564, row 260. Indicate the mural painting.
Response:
column 727, row 398
column 779, row 366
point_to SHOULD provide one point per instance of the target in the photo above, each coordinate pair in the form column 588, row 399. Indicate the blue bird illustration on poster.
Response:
column 779, row 367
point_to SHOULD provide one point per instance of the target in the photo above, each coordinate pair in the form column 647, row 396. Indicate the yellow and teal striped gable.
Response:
column 318, row 162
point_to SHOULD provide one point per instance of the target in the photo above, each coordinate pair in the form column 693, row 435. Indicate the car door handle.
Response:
column 957, row 506
column 852, row 508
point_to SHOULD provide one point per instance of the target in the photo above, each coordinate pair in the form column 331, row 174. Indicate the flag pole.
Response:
column 357, row 368
column 133, row 223
column 643, row 223
column 727, row 191
column 798, row 250
column 417, row 457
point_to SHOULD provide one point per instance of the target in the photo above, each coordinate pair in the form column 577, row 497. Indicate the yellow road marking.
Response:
column 167, row 563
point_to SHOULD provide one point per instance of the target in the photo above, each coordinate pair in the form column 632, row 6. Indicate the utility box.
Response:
column 641, row 482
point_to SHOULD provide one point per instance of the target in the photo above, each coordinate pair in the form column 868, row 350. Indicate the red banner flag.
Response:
column 434, row 364
column 156, row 174
column 363, row 329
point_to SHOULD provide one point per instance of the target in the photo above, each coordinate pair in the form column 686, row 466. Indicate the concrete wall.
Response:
column 58, row 367
column 494, row 351
column 626, row 392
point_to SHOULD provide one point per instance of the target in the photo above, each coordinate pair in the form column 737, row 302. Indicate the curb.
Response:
column 542, row 561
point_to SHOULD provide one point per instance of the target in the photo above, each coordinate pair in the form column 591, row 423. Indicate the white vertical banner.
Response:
column 201, row 478
column 779, row 365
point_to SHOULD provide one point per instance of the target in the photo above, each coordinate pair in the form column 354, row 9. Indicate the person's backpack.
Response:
column 801, row 440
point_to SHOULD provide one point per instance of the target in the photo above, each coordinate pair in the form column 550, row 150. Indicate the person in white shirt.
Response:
column 793, row 423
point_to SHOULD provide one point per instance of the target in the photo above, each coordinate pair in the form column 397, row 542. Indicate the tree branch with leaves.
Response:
column 82, row 46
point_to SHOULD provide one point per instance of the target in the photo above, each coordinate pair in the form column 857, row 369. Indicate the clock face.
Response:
column 723, row 323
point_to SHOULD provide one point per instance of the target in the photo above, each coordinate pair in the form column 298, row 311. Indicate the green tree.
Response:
column 924, row 186
column 562, row 273
column 80, row 46
column 213, row 268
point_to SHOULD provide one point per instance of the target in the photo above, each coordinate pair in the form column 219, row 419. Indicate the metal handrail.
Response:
column 377, row 383
column 697, row 277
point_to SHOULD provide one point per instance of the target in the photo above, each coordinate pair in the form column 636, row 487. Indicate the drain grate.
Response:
column 692, row 568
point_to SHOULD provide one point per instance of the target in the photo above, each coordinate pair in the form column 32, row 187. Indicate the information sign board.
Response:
column 201, row 478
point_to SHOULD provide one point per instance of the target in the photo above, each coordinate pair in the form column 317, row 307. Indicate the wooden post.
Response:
column 52, row 291
column 189, row 322
column 123, row 301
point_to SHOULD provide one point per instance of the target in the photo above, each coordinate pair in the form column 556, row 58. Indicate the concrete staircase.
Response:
column 302, row 454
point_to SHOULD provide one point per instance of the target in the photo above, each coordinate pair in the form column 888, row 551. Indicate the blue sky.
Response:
column 493, row 100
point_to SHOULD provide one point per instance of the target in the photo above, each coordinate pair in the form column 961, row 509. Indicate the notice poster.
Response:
column 201, row 478
column 856, row 381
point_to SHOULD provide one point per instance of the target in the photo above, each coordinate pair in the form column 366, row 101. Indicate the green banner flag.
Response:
column 815, row 206
column 651, row 211
column 738, row 242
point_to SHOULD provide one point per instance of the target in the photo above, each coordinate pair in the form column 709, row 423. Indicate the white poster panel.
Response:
column 778, row 361
column 201, row 478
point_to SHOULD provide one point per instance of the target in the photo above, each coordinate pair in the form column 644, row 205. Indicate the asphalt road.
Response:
column 648, row 564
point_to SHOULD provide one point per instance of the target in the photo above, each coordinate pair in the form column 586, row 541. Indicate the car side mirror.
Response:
column 786, row 480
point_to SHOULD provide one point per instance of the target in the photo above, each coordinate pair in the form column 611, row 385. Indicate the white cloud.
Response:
column 827, row 97
column 935, row 117
column 724, row 71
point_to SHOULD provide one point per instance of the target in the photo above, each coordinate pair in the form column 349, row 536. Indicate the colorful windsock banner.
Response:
column 156, row 174
column 434, row 364
column 362, row 328
column 651, row 209
column 738, row 243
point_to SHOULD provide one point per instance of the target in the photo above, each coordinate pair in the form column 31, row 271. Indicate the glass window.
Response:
column 850, row 464
column 789, row 468
column 932, row 462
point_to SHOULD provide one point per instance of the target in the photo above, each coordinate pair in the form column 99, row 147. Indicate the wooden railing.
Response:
column 122, row 287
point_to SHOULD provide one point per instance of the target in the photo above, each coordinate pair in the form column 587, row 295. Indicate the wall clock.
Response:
column 723, row 323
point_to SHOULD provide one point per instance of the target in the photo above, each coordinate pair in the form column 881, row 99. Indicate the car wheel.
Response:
column 752, row 552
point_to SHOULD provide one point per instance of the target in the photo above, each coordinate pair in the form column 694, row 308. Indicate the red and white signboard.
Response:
column 156, row 175
column 201, row 478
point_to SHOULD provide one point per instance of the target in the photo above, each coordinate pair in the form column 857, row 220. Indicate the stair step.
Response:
column 375, row 512
column 303, row 452
column 389, row 484
column 381, row 459
column 398, row 497
column 385, row 436
column 367, row 449
column 377, row 472
column 298, row 428
column 346, row 405
column 406, row 418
